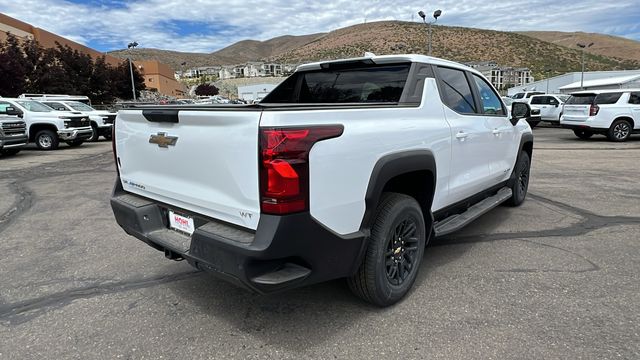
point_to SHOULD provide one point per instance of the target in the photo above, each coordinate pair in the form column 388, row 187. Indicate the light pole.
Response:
column 436, row 15
column 130, row 46
column 583, row 46
column 547, row 71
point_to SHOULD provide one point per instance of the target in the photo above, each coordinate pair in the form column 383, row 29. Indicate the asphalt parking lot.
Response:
column 554, row 278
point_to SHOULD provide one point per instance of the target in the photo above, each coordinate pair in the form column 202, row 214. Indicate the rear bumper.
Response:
column 12, row 142
column 583, row 127
column 283, row 253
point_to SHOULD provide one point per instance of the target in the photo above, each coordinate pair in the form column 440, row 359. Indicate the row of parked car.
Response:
column 47, row 120
column 614, row 113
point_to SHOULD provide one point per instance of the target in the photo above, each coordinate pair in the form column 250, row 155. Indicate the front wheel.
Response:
column 95, row 134
column 583, row 134
column 520, row 180
column 619, row 131
column 394, row 252
column 46, row 140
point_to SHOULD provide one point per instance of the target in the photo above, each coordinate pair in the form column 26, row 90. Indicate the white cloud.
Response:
column 226, row 22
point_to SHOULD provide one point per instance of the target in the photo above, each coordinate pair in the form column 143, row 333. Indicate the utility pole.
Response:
column 130, row 46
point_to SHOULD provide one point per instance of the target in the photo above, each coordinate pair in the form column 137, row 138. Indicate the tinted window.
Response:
column 581, row 99
column 538, row 100
column 456, row 92
column 552, row 101
column 518, row 96
column 370, row 84
column 634, row 98
column 34, row 106
column 56, row 106
column 491, row 103
column 608, row 98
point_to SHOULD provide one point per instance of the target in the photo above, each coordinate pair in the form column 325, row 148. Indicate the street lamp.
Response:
column 583, row 46
column 132, row 45
column 436, row 15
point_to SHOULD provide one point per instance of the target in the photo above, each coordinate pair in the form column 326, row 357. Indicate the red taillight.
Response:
column 593, row 110
column 284, row 166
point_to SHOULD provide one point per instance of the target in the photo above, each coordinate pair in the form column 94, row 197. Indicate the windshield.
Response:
column 563, row 98
column 76, row 105
column 581, row 99
column 34, row 106
column 518, row 96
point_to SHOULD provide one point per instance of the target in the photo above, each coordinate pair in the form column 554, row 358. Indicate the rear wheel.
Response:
column 533, row 123
column 583, row 134
column 9, row 151
column 75, row 143
column 47, row 140
column 394, row 253
column 620, row 130
column 520, row 179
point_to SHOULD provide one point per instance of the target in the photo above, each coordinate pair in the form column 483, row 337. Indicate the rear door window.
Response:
column 456, row 92
column 608, row 98
column 491, row 104
column 364, row 84
column 634, row 98
column 537, row 100
column 581, row 99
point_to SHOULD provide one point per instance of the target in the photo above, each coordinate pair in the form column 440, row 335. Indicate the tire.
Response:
column 75, row 143
column 390, row 265
column 47, row 140
column 9, row 152
column 107, row 135
column 620, row 130
column 583, row 134
column 533, row 124
column 520, row 180
column 95, row 133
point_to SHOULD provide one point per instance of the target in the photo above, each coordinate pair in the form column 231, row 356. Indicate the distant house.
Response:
column 503, row 76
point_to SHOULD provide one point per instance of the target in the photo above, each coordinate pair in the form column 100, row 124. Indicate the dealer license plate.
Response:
column 181, row 223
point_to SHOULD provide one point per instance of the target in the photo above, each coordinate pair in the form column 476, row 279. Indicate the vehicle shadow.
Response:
column 313, row 315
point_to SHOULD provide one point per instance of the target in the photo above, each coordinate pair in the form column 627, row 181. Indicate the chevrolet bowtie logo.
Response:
column 163, row 140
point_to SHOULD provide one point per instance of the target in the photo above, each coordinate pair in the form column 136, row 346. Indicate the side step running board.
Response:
column 458, row 221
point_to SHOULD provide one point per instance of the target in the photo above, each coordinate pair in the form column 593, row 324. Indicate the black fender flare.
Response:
column 526, row 144
column 390, row 166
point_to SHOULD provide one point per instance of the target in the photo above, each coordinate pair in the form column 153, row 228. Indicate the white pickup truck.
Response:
column 47, row 127
column 345, row 170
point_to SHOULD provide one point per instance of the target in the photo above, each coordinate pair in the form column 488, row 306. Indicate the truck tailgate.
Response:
column 211, row 169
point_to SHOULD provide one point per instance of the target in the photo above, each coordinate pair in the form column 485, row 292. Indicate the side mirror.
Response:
column 519, row 110
column 10, row 110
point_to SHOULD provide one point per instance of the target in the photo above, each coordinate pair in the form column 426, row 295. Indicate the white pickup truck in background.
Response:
column 345, row 170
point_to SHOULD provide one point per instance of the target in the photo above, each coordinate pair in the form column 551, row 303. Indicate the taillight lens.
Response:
column 593, row 110
column 284, row 166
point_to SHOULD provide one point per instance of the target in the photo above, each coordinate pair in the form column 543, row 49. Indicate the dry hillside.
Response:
column 605, row 45
column 455, row 43
column 238, row 53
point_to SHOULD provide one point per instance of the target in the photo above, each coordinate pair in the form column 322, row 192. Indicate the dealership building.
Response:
column 593, row 80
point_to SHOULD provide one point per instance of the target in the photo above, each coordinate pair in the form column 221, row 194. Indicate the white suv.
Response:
column 550, row 106
column 614, row 113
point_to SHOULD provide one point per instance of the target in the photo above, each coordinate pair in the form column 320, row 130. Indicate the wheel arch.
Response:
column 411, row 173
column 627, row 118
column 35, row 128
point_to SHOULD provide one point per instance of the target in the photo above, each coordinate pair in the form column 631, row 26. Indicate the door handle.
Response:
column 461, row 135
column 496, row 132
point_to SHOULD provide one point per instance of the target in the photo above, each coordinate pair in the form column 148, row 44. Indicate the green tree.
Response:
column 121, row 78
column 101, row 82
column 12, row 68
column 77, row 68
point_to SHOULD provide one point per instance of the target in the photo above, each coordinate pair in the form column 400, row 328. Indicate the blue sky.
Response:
column 209, row 25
